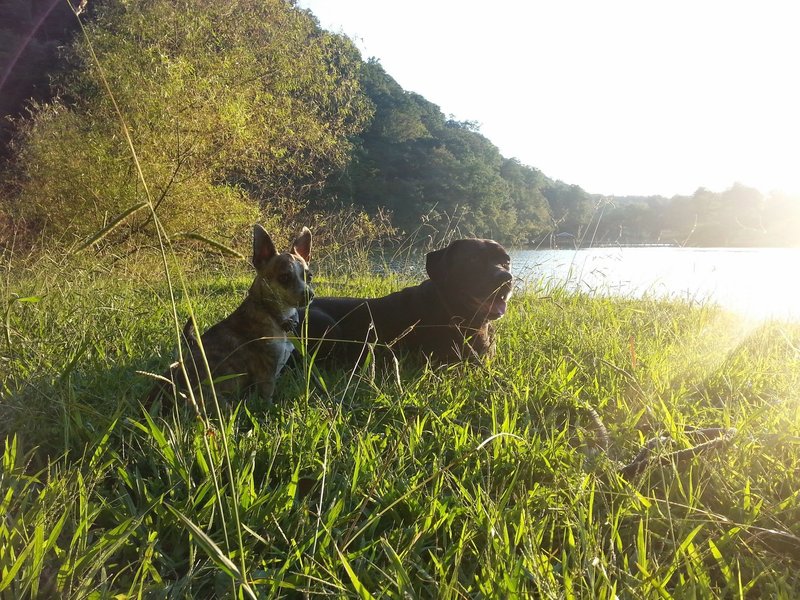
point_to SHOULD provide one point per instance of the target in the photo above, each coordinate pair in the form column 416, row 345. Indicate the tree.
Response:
column 436, row 172
column 525, row 185
column 231, row 106
column 572, row 208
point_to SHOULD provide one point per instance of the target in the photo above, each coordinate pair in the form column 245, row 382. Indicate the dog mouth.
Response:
column 498, row 307
column 493, row 306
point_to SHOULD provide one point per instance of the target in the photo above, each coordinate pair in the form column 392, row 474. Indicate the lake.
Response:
column 756, row 282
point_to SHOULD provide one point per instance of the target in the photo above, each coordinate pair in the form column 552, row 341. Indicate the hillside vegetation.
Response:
column 214, row 113
column 186, row 106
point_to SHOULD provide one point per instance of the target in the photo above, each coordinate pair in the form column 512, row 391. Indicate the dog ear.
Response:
column 302, row 244
column 263, row 248
column 436, row 264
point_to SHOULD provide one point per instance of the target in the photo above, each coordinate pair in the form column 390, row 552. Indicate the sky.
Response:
column 631, row 97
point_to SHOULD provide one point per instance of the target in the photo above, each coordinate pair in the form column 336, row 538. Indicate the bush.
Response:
column 227, row 115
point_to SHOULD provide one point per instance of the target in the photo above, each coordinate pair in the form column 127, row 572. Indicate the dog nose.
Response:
column 504, row 276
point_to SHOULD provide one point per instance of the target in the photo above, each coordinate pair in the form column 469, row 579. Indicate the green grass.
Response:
column 447, row 482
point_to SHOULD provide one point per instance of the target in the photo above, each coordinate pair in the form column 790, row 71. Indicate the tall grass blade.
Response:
column 188, row 235
column 357, row 585
column 115, row 222
column 213, row 551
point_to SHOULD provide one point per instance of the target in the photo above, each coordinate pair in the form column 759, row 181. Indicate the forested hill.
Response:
column 422, row 167
column 266, row 116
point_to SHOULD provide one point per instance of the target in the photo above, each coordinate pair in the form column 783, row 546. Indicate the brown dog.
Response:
column 446, row 318
column 250, row 347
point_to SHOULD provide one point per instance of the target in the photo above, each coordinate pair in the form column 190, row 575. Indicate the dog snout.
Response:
column 503, row 282
column 503, row 276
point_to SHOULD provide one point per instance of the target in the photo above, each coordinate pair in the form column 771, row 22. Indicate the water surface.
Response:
column 756, row 282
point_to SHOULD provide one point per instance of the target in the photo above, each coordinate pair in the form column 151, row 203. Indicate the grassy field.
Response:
column 454, row 482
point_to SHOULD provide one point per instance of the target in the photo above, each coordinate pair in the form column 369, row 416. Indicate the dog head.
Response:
column 282, row 279
column 473, row 277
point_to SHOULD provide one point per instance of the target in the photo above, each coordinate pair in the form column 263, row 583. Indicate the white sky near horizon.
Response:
column 623, row 97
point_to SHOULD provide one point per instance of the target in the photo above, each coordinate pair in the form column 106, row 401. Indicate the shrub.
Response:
column 231, row 107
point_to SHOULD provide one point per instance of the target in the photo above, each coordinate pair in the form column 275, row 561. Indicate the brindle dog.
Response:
column 446, row 318
column 250, row 347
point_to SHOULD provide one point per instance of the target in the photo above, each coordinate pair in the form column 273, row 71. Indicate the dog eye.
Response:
column 309, row 276
column 284, row 278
